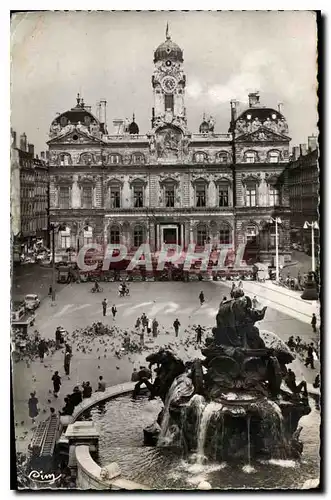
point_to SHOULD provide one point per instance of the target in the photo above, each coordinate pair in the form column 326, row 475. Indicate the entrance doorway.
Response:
column 169, row 235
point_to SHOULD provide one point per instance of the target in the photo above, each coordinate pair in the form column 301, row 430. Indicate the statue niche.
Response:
column 168, row 143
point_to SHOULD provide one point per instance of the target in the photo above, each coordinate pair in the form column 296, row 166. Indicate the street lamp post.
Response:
column 313, row 225
column 277, row 221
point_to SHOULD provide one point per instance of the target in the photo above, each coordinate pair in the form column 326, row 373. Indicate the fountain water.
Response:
column 208, row 413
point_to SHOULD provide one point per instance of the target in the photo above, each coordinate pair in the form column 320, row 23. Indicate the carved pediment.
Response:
column 272, row 178
column 251, row 177
column 263, row 135
column 75, row 135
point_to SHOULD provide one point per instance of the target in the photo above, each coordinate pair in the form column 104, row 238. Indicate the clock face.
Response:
column 169, row 84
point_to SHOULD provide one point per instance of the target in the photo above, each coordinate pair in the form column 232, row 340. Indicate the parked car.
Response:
column 31, row 302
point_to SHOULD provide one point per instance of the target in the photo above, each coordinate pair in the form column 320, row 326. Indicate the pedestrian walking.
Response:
column 42, row 348
column 176, row 326
column 199, row 331
column 114, row 311
column 56, row 383
column 33, row 406
column 144, row 321
column 155, row 326
column 310, row 356
column 314, row 322
column 201, row 297
column 101, row 384
column 138, row 323
column 104, row 307
column 240, row 284
column 67, row 360
column 254, row 302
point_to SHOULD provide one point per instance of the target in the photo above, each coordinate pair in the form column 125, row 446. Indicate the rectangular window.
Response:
column 115, row 197
column 201, row 237
column 114, row 236
column 200, row 193
column 273, row 196
column 223, row 195
column 250, row 234
column 88, row 237
column 251, row 196
column 273, row 158
column 169, row 102
column 64, row 197
column 138, row 199
column 87, row 197
column 65, row 239
column 170, row 196
column 138, row 237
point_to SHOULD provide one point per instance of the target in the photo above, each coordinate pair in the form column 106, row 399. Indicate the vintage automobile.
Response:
column 31, row 302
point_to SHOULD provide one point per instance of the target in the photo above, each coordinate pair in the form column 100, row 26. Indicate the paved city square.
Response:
column 76, row 307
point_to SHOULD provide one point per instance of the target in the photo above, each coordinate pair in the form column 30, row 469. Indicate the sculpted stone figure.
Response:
column 282, row 126
column 256, row 124
column 267, row 123
column 241, row 126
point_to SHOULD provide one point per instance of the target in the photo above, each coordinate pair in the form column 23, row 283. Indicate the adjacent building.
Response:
column 170, row 185
column 29, row 196
column 303, row 179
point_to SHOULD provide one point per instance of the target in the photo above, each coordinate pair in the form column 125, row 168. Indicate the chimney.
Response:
column 303, row 149
column 42, row 155
column 312, row 143
column 296, row 152
column 97, row 110
column 103, row 117
column 23, row 142
column 280, row 108
column 31, row 150
column 234, row 110
column 253, row 100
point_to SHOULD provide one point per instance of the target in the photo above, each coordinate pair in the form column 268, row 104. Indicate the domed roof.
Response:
column 78, row 114
column 133, row 127
column 168, row 50
column 204, row 127
column 261, row 113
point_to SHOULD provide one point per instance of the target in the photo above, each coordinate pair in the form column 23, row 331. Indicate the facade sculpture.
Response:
column 170, row 148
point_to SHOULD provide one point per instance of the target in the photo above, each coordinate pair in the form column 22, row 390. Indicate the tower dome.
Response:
column 204, row 127
column 168, row 50
column 133, row 127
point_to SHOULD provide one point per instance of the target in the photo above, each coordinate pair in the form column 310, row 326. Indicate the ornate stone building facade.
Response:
column 170, row 185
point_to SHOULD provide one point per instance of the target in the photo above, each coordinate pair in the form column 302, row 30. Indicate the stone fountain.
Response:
column 233, row 404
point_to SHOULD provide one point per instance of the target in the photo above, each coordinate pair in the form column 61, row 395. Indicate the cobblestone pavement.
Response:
column 77, row 307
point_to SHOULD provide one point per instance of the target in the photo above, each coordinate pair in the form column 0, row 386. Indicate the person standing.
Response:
column 104, row 307
column 33, row 406
column 144, row 321
column 254, row 302
column 67, row 359
column 114, row 311
column 201, row 298
column 56, row 383
column 149, row 326
column 101, row 384
column 314, row 322
column 199, row 331
column 310, row 356
column 42, row 348
column 176, row 326
column 155, row 325
column 138, row 323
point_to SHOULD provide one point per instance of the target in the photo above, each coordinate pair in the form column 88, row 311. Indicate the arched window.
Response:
column 88, row 235
column 222, row 157
column 137, row 158
column 86, row 159
column 114, row 235
column 273, row 156
column 250, row 157
column 202, row 235
column 225, row 234
column 65, row 159
column 65, row 238
column 200, row 157
column 115, row 159
column 169, row 193
column 138, row 236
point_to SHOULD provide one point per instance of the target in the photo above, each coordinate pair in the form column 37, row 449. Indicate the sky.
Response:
column 109, row 55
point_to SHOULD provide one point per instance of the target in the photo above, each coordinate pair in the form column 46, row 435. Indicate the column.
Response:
column 157, row 243
column 182, row 238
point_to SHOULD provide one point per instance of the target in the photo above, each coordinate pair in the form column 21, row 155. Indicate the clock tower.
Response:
column 168, row 83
